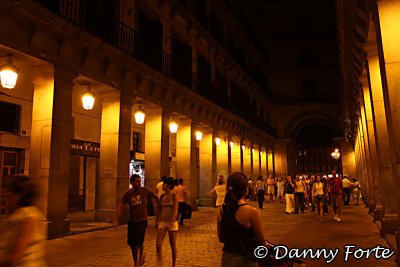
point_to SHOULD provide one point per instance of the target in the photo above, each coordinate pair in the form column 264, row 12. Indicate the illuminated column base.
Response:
column 186, row 159
column 206, row 146
column 115, row 155
column 156, row 147
column 50, row 139
column 256, row 163
column 222, row 158
column 235, row 158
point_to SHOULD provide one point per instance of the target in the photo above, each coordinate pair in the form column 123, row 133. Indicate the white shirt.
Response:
column 346, row 183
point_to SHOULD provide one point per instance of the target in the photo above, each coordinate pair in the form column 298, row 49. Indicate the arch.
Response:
column 303, row 119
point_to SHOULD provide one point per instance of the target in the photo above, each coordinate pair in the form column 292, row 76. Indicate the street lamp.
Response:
column 335, row 154
column 139, row 115
column 173, row 126
column 199, row 135
column 88, row 99
column 232, row 144
column 217, row 141
column 8, row 73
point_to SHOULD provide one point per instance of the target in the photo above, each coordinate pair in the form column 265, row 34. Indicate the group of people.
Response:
column 320, row 191
column 239, row 225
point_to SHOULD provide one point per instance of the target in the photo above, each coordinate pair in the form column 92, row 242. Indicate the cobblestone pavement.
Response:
column 198, row 244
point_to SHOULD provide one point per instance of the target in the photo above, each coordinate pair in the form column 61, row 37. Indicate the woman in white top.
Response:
column 22, row 241
column 220, row 190
column 166, row 220
column 318, row 193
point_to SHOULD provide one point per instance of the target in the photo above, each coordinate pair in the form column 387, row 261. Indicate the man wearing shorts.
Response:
column 137, row 199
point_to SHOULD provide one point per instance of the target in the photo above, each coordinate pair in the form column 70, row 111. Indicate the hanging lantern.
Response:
column 9, row 73
column 336, row 154
column 199, row 135
column 232, row 144
column 217, row 141
column 139, row 115
column 173, row 126
column 88, row 99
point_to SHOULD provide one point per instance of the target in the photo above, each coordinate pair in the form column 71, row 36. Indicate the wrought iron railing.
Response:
column 125, row 37
column 166, row 61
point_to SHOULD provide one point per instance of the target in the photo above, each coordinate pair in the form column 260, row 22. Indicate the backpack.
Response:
column 336, row 188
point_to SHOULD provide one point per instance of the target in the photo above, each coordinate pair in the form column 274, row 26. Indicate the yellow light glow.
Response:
column 232, row 144
column 199, row 135
column 260, row 153
column 139, row 116
column 8, row 76
column 252, row 150
column 335, row 154
column 217, row 141
column 243, row 147
column 88, row 100
column 173, row 127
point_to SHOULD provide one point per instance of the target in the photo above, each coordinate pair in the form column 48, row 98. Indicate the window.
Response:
column 137, row 142
column 9, row 118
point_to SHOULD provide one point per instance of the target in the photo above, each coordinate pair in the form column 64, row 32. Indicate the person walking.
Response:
column 318, row 195
column 181, row 196
column 260, row 187
column 220, row 190
column 356, row 190
column 166, row 220
column 336, row 190
column 280, row 186
column 300, row 189
column 24, row 235
column 137, row 199
column 270, row 189
column 289, row 195
column 346, row 191
column 239, row 225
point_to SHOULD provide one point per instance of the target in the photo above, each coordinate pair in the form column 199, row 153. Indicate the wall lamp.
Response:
column 8, row 73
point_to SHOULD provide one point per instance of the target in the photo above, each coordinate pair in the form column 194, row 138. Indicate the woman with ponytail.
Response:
column 239, row 225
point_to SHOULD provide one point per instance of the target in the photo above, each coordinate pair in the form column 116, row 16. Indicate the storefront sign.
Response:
column 86, row 148
column 139, row 156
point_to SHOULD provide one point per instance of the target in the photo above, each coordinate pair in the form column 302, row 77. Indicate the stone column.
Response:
column 206, row 170
column 364, row 129
column 385, row 174
column 229, row 155
column 251, row 150
column 222, row 158
column 115, row 154
column 256, row 162
column 242, row 151
column 246, row 161
column 236, row 158
column 370, row 125
column 263, row 160
column 388, row 36
column 156, row 146
column 50, row 144
column 186, row 158
column 281, row 156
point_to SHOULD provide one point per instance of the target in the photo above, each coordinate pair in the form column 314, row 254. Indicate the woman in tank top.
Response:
column 166, row 220
column 318, row 194
column 238, row 224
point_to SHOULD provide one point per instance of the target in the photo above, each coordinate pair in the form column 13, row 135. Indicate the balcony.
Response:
column 143, row 47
